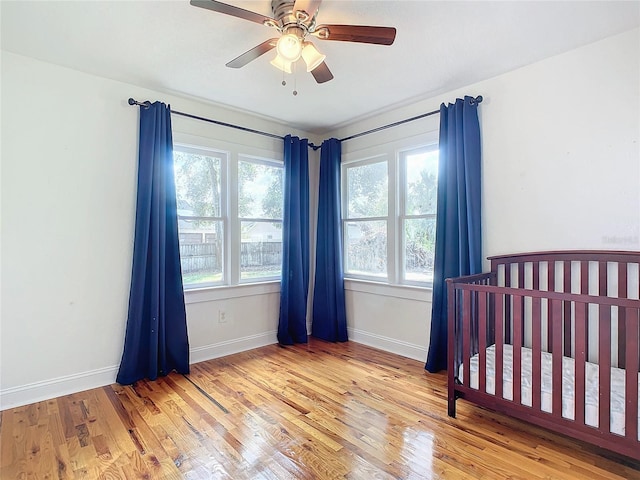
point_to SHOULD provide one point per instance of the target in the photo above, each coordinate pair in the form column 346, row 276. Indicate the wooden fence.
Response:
column 207, row 257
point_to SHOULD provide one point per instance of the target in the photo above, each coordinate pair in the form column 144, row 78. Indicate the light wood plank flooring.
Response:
column 316, row 411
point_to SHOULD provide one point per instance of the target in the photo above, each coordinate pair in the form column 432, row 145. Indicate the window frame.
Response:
column 259, row 160
column 393, row 152
column 229, row 192
column 402, row 216
column 382, row 158
column 224, row 208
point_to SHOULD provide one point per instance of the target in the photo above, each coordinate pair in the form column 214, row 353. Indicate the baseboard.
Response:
column 56, row 387
column 78, row 382
column 229, row 347
column 399, row 347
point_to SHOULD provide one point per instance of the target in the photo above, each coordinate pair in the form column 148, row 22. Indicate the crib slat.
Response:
column 584, row 289
column 482, row 341
column 466, row 337
column 551, row 286
column 602, row 279
column 556, row 327
column 521, row 285
column 567, row 310
column 551, row 276
column 604, row 365
column 631, row 380
column 622, row 323
column 520, row 274
column 536, row 275
column 580, row 361
column 499, row 323
column 584, row 277
column 507, row 302
column 517, row 349
column 536, row 345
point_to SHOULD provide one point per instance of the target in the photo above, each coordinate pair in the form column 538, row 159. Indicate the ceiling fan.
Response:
column 296, row 22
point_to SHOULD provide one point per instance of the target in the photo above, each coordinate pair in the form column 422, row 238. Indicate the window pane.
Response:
column 366, row 243
column 367, row 190
column 421, row 173
column 419, row 245
column 197, row 184
column 259, row 190
column 260, row 250
column 200, row 251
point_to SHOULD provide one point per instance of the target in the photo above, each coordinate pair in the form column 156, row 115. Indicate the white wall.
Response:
column 69, row 160
column 561, row 170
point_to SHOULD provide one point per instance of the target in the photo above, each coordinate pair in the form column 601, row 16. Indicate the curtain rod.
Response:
column 478, row 99
column 147, row 104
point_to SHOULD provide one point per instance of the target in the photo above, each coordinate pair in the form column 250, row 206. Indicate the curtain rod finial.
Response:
column 145, row 104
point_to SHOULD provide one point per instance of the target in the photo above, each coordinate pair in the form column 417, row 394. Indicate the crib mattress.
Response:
column 617, row 412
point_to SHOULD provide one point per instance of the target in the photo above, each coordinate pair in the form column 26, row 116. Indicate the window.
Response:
column 260, row 214
column 228, row 235
column 389, row 214
column 201, row 224
column 418, row 188
column 365, row 228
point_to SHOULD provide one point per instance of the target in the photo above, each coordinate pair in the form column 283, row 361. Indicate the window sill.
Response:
column 224, row 292
column 408, row 292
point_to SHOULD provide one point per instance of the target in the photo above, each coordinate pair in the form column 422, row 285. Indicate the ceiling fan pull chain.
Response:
column 295, row 79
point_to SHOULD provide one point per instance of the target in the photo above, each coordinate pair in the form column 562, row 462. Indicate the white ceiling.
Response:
column 173, row 47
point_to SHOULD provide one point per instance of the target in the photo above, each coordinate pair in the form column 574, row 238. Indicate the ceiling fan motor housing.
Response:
column 296, row 23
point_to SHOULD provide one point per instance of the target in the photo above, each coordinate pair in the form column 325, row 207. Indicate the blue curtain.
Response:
column 329, row 316
column 294, row 287
column 156, row 336
column 458, row 230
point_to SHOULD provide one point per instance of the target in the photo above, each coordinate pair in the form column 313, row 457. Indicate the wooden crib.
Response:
column 539, row 313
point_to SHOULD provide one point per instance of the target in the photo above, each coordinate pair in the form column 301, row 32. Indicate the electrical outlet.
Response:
column 222, row 316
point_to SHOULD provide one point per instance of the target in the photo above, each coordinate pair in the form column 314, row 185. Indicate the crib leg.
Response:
column 451, row 405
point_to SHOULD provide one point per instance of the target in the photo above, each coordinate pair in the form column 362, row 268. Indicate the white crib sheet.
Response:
column 568, row 385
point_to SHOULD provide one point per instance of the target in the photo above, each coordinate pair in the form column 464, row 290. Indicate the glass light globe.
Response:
column 289, row 47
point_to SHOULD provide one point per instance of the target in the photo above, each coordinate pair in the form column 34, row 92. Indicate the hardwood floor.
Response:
column 316, row 411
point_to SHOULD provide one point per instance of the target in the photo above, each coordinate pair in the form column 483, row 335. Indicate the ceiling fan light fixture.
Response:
column 289, row 47
column 311, row 56
column 281, row 64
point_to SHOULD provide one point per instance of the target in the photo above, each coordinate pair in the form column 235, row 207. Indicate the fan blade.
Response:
column 252, row 54
column 322, row 73
column 233, row 11
column 308, row 6
column 356, row 33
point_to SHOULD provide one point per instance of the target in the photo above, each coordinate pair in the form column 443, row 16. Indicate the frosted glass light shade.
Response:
column 289, row 47
column 311, row 56
column 281, row 64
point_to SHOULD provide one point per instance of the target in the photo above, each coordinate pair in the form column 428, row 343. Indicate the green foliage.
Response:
column 422, row 194
column 259, row 190
column 368, row 190
column 197, row 184
column 272, row 203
